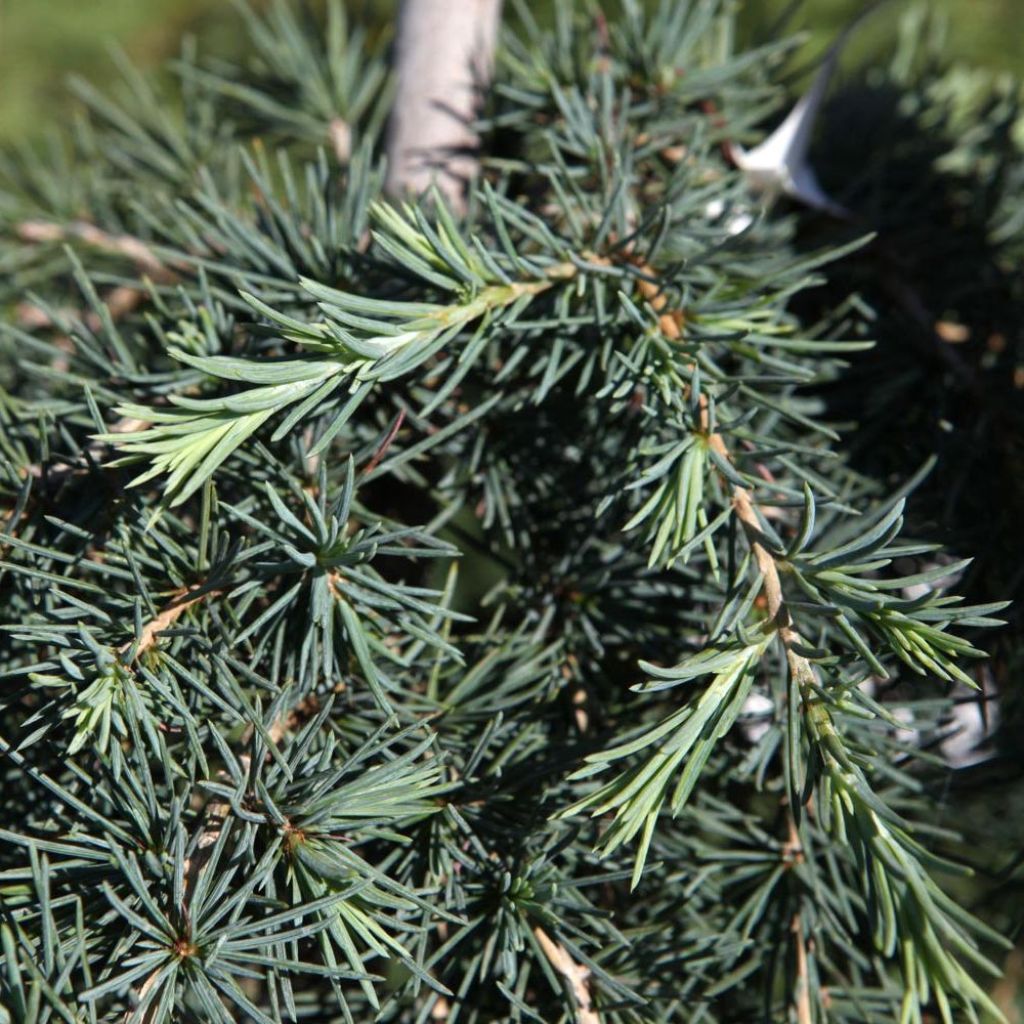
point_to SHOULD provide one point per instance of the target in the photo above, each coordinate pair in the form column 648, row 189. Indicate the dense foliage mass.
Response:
column 421, row 617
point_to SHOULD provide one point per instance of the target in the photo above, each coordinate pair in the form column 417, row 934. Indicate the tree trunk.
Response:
column 445, row 56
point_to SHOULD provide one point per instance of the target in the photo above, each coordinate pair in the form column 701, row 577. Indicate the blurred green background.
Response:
column 42, row 42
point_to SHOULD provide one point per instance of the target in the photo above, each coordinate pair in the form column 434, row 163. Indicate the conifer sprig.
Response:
column 360, row 341
column 492, row 624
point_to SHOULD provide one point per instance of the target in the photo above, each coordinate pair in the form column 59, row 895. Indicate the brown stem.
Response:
column 383, row 447
column 120, row 300
column 575, row 974
column 340, row 137
column 132, row 248
column 802, row 993
column 793, row 854
column 168, row 617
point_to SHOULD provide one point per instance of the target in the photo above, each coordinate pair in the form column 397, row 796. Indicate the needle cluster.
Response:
column 417, row 616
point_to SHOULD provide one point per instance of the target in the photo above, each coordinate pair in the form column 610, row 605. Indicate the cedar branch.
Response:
column 671, row 324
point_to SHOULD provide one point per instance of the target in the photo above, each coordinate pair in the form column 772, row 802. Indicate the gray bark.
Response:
column 445, row 56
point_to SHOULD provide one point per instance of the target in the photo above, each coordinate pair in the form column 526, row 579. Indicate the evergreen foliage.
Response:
column 417, row 618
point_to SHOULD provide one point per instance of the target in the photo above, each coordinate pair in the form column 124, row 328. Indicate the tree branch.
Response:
column 671, row 324
column 444, row 59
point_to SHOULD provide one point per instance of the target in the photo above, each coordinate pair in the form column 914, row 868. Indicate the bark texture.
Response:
column 445, row 57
